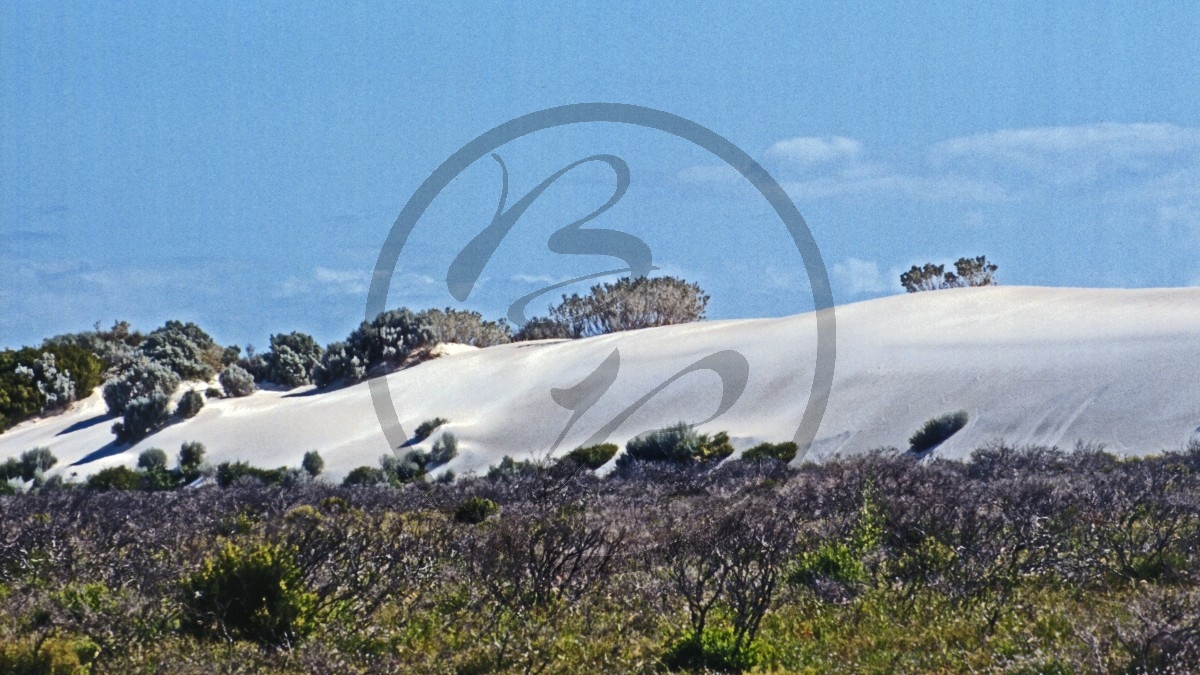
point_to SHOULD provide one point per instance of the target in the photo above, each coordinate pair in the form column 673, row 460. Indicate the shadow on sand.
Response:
column 84, row 424
column 113, row 447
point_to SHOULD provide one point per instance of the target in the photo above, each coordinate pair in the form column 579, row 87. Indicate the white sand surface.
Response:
column 1030, row 365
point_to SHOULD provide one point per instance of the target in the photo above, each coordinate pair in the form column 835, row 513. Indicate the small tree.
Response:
column 968, row 272
column 152, row 460
column 312, row 463
column 191, row 457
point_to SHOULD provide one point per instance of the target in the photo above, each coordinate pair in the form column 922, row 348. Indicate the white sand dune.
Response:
column 1030, row 365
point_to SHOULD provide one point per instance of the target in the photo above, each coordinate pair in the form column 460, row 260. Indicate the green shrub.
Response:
column 465, row 327
column 213, row 392
column 237, row 381
column 115, row 478
column 254, row 593
column 312, row 463
column 842, row 561
column 184, row 348
column 229, row 473
column 54, row 655
column 475, row 510
column 935, row 431
column 784, row 452
column 338, row 363
column 716, row 651
column 631, row 303
column 143, row 416
column 35, row 462
column 678, row 444
column 542, row 328
column 139, row 379
column 189, row 404
column 364, row 475
column 593, row 456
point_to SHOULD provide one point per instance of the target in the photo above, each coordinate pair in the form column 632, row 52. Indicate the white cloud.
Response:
column 814, row 150
column 536, row 279
column 927, row 188
column 326, row 281
column 859, row 277
column 1075, row 153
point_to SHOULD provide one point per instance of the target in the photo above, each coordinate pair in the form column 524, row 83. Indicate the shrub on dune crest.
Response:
column 140, row 378
column 292, row 359
column 237, row 381
column 937, row 430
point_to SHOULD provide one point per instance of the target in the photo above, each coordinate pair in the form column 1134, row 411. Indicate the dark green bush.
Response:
column 11, row 468
column 35, row 462
column 143, row 416
column 784, row 452
column 407, row 469
column 152, row 459
column 189, row 404
column 511, row 467
column 715, row 651
column 292, row 359
column 542, row 328
column 140, row 378
column 935, row 431
column 365, row 475
column 339, row 364
column 312, row 463
column 115, row 478
column 425, row 429
column 593, row 456
column 184, row 348
column 253, row 593
column 229, row 473
column 475, row 510
column 445, row 448
column 191, row 456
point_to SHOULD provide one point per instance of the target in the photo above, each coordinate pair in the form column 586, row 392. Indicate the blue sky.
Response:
column 240, row 167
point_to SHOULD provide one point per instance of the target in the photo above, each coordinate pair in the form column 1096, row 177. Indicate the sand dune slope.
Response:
column 1030, row 365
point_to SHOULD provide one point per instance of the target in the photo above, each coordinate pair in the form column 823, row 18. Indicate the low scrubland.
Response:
column 1026, row 560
